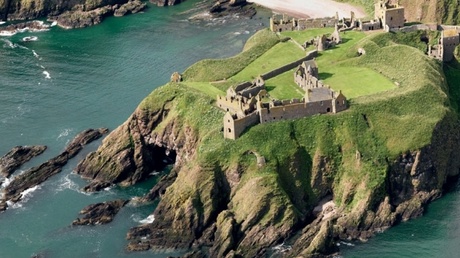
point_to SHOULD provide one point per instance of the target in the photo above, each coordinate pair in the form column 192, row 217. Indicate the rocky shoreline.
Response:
column 12, row 193
column 80, row 15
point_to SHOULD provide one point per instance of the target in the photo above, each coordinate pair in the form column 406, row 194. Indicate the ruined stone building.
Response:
column 291, row 24
column 390, row 14
column 246, row 104
column 444, row 50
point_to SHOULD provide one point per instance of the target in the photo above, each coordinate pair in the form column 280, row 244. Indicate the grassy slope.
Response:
column 379, row 126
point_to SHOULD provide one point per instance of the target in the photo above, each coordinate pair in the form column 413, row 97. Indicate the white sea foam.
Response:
column 346, row 243
column 281, row 248
column 147, row 220
column 65, row 133
column 35, row 54
column 5, row 183
column 53, row 24
column 2, row 22
column 7, row 33
column 8, row 44
column 47, row 75
column 26, row 195
column 66, row 183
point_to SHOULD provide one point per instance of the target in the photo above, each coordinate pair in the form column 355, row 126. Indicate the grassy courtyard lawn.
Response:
column 355, row 81
column 205, row 87
column 277, row 56
column 339, row 53
column 283, row 87
column 302, row 36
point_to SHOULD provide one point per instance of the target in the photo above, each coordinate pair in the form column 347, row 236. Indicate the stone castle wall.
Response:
column 301, row 24
column 233, row 128
column 293, row 110
column 285, row 68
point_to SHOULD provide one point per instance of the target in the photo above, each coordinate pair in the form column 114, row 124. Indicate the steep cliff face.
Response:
column 443, row 11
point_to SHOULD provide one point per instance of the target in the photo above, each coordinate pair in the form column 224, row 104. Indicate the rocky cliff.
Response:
column 68, row 14
column 325, row 178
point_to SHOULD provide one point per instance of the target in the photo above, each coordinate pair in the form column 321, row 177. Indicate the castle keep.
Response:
column 248, row 104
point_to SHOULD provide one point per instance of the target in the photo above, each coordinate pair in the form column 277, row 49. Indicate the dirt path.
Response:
column 311, row 8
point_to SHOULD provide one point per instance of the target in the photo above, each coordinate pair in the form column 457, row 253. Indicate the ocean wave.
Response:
column 25, row 196
column 47, row 75
column 67, row 183
column 8, row 43
column 64, row 133
column 7, row 33
column 147, row 220
column 5, row 183
column 36, row 55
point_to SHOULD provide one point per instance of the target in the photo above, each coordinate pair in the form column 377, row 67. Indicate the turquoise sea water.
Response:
column 97, row 76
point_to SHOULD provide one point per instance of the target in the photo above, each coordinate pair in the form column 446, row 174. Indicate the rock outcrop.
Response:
column 229, row 7
column 17, row 157
column 68, row 14
column 39, row 174
column 166, row 2
column 99, row 213
column 324, row 178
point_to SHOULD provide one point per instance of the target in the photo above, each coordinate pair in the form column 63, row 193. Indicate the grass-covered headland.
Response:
column 399, row 105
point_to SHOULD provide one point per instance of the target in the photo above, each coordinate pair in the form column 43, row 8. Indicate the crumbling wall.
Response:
column 285, row 68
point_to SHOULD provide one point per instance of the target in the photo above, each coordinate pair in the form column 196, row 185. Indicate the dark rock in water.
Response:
column 81, row 19
column 17, row 157
column 39, row 174
column 166, row 2
column 160, row 187
column 96, row 186
column 100, row 213
column 23, row 26
column 133, row 6
column 233, row 7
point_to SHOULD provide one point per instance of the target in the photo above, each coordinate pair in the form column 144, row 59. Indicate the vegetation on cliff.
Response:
column 380, row 161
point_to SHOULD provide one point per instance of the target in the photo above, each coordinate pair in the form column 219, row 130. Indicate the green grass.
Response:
column 283, row 87
column 302, row 36
column 355, row 81
column 279, row 55
column 208, row 70
column 381, row 126
column 206, row 88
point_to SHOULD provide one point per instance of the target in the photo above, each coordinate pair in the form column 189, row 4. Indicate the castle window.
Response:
column 229, row 121
column 344, row 102
column 229, row 130
column 328, row 110
column 227, row 109
column 321, row 103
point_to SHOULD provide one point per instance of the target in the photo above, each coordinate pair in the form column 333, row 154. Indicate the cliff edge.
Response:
column 325, row 178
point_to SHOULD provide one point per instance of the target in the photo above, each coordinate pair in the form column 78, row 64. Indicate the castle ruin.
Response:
column 246, row 104
column 444, row 50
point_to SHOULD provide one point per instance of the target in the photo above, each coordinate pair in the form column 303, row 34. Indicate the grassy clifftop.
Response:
column 353, row 155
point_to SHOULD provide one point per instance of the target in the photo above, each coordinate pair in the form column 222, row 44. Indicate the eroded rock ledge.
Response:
column 100, row 213
column 81, row 17
column 39, row 174
column 17, row 157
